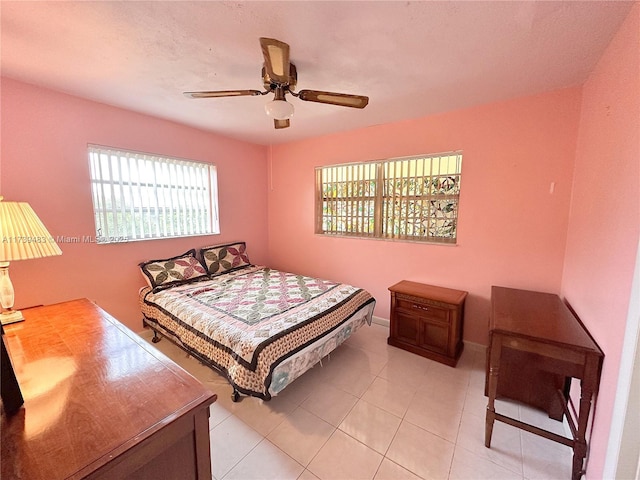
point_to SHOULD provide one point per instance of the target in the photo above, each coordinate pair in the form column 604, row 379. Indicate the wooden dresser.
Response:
column 427, row 320
column 99, row 402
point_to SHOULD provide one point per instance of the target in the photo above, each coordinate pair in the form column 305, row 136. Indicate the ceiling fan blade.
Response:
column 222, row 93
column 342, row 99
column 281, row 123
column 276, row 59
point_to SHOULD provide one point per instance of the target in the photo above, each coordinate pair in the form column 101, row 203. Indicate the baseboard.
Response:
column 469, row 345
column 474, row 346
column 380, row 321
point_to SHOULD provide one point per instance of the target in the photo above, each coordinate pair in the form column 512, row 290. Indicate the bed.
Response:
column 260, row 327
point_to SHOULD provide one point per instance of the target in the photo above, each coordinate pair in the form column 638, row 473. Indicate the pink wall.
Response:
column 604, row 223
column 512, row 230
column 44, row 162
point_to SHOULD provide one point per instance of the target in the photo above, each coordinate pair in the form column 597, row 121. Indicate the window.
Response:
column 139, row 196
column 411, row 198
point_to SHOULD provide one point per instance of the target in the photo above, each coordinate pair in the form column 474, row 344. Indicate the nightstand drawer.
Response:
column 423, row 309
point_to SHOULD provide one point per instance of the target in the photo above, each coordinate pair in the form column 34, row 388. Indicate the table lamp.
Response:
column 22, row 236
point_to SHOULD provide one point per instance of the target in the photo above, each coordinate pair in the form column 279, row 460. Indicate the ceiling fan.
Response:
column 280, row 76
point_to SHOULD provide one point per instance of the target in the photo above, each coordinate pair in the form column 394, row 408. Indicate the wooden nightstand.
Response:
column 427, row 320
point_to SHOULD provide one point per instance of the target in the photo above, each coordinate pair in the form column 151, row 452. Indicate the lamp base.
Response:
column 11, row 316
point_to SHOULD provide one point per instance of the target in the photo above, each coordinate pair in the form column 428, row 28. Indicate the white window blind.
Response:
column 411, row 198
column 139, row 196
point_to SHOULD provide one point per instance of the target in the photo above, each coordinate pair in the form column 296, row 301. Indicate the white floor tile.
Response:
column 421, row 452
column 473, row 358
column 441, row 373
column 307, row 475
column 467, row 465
column 390, row 396
column 351, row 381
column 300, row 389
column 217, row 414
column 435, row 415
column 359, row 359
column 231, row 440
column 406, row 368
column 343, row 457
column 540, row 419
column 505, row 450
column 266, row 462
column 330, row 404
column 263, row 416
column 301, row 435
column 443, row 390
column 392, row 471
column 371, row 425
column 543, row 459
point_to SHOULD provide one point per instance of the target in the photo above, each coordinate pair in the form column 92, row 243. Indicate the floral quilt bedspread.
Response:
column 247, row 321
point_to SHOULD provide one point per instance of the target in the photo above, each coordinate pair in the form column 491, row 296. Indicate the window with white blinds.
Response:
column 410, row 198
column 140, row 196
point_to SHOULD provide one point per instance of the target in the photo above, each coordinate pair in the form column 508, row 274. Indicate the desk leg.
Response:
column 580, row 445
column 588, row 387
column 495, row 350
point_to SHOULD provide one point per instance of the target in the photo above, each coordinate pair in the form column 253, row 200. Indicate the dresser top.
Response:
column 421, row 290
column 92, row 390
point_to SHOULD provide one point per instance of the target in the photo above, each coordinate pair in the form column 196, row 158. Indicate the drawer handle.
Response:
column 420, row 307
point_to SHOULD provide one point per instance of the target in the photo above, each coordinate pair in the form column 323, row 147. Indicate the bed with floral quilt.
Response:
column 260, row 327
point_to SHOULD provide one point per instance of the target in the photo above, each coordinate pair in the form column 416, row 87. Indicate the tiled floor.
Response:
column 372, row 411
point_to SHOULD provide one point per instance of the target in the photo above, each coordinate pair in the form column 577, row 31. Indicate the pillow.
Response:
column 173, row 271
column 220, row 259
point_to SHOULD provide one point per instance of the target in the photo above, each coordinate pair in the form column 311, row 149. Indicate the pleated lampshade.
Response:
column 22, row 234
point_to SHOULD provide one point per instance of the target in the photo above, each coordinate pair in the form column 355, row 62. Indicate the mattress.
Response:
column 260, row 327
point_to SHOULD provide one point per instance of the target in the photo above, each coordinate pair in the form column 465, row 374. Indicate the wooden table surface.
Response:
column 538, row 315
column 93, row 389
column 421, row 290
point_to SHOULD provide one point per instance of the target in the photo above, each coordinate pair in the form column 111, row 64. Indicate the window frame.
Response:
column 184, row 203
column 383, row 226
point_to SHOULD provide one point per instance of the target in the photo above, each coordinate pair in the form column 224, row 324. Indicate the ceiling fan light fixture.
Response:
column 279, row 109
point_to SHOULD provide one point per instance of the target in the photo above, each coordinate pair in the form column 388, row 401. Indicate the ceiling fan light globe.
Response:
column 279, row 109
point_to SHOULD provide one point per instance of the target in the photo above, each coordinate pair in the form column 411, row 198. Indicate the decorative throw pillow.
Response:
column 224, row 258
column 173, row 271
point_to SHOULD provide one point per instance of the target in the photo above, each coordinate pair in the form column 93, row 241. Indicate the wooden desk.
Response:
column 540, row 327
column 100, row 402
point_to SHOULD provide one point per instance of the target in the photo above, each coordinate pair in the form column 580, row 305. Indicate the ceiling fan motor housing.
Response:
column 272, row 85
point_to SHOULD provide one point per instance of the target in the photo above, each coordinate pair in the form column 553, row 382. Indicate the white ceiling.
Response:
column 411, row 58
